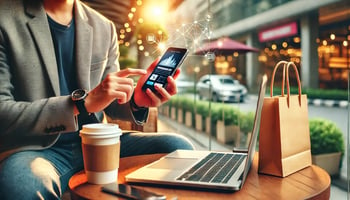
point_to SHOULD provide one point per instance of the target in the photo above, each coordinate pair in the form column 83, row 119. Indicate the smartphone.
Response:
column 131, row 192
column 167, row 65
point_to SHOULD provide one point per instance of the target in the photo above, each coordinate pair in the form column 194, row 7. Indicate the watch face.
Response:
column 79, row 94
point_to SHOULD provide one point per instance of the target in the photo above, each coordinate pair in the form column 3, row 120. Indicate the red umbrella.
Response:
column 225, row 45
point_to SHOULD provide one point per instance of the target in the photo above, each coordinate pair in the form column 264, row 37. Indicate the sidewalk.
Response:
column 201, row 142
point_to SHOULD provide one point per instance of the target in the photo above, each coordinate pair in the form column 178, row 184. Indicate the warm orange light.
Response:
column 296, row 39
column 161, row 46
column 324, row 42
column 273, row 46
column 140, row 20
column 157, row 11
column 284, row 44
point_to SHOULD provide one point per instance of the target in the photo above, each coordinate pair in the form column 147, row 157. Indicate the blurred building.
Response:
column 313, row 34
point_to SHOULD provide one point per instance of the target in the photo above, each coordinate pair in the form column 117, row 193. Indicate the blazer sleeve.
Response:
column 23, row 117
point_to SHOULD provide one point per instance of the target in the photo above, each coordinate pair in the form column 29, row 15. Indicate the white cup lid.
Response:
column 99, row 129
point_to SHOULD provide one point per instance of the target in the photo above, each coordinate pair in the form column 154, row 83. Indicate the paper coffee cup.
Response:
column 101, row 152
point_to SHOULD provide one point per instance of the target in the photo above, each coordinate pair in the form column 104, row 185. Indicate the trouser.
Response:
column 44, row 174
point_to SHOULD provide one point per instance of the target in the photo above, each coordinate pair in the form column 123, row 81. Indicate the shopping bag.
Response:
column 284, row 140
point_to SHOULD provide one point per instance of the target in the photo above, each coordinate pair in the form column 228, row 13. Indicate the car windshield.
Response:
column 226, row 81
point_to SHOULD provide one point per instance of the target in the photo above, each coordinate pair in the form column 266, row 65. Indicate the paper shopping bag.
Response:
column 284, row 140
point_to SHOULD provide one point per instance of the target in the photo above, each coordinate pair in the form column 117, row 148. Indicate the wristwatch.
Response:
column 78, row 97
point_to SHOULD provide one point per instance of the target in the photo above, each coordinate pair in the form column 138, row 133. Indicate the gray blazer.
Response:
column 32, row 112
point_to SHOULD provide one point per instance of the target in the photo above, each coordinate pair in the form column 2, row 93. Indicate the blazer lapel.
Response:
column 83, row 46
column 40, row 30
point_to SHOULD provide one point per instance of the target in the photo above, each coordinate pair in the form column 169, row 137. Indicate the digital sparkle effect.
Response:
column 189, row 35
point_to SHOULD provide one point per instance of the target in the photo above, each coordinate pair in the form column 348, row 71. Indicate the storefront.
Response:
column 283, row 42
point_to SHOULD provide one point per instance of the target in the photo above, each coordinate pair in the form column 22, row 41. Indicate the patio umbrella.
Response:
column 224, row 46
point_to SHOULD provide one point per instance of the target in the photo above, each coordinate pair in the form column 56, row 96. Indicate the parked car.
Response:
column 184, row 85
column 221, row 88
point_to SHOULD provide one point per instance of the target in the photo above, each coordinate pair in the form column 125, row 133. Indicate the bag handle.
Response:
column 283, row 76
column 298, row 80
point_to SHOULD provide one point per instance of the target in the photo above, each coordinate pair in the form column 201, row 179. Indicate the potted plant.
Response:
column 211, row 121
column 174, row 104
column 202, row 111
column 327, row 145
column 246, row 123
column 227, row 129
column 187, row 105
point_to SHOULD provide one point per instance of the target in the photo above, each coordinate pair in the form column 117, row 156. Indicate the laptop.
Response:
column 203, row 169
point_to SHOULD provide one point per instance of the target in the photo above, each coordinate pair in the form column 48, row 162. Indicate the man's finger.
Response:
column 131, row 72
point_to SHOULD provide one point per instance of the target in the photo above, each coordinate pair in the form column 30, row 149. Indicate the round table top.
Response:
column 309, row 183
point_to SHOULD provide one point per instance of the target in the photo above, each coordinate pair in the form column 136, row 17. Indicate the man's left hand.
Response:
column 150, row 99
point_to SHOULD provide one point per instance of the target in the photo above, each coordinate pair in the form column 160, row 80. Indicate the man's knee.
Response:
column 171, row 142
column 23, row 176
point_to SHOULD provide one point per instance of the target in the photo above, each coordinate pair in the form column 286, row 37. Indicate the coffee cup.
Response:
column 101, row 152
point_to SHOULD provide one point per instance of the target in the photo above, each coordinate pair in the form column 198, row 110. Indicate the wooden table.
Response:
column 309, row 183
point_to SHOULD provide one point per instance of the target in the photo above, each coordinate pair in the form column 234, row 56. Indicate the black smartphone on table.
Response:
column 167, row 65
column 131, row 192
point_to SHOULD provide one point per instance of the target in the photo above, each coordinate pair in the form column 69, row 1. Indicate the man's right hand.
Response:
column 116, row 85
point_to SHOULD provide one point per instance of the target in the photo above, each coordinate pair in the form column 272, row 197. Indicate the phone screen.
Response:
column 167, row 65
column 131, row 192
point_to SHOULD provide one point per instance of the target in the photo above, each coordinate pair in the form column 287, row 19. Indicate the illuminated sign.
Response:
column 278, row 32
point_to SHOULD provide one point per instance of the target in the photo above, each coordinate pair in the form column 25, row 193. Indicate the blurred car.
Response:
column 223, row 88
column 184, row 85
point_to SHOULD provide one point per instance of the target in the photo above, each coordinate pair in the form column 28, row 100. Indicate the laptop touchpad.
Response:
column 173, row 163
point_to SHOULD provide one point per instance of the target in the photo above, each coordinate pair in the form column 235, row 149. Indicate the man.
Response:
column 50, row 49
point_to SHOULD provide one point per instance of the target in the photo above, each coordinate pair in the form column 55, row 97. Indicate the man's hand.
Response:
column 116, row 85
column 150, row 99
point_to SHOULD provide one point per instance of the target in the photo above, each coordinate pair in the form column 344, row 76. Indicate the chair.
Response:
column 149, row 126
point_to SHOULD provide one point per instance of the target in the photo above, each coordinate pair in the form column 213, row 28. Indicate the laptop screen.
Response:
column 255, row 132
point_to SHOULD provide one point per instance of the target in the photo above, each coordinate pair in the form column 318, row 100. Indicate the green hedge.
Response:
column 314, row 93
column 230, row 114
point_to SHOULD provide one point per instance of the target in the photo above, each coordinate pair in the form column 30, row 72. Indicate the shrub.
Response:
column 186, row 104
column 202, row 108
column 246, row 122
column 229, row 114
column 325, row 137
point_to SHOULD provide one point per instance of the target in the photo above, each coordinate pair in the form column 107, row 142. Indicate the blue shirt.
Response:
column 63, row 38
column 64, row 42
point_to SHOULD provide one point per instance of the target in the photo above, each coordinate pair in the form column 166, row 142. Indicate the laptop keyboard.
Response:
column 214, row 168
